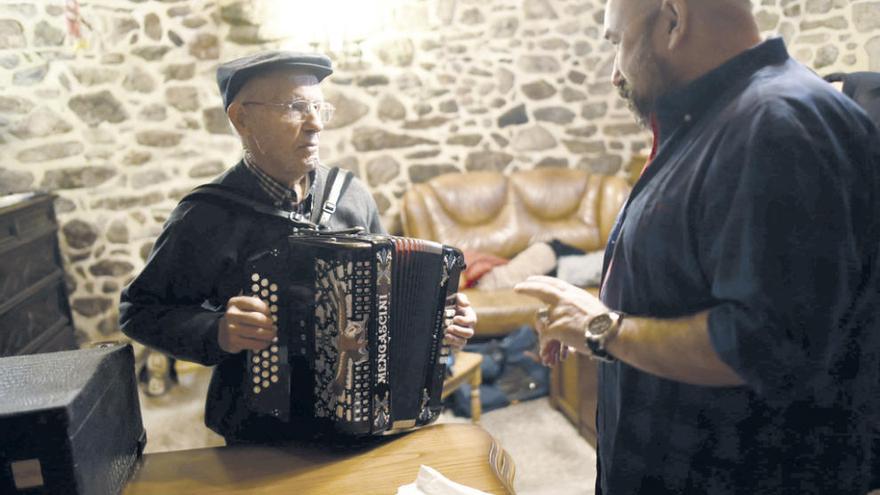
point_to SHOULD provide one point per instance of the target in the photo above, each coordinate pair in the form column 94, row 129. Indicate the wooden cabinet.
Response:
column 34, row 311
column 573, row 391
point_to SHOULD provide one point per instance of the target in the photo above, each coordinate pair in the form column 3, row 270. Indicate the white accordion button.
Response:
column 265, row 374
column 265, row 354
column 274, row 369
column 274, row 359
column 256, row 359
column 257, row 379
column 264, row 282
column 274, row 348
column 265, row 383
column 273, row 298
column 257, row 389
column 255, row 288
column 273, row 288
column 255, row 277
column 264, row 293
column 274, row 378
column 273, row 308
column 256, row 369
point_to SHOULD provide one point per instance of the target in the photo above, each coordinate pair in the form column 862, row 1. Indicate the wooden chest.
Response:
column 574, row 392
column 34, row 310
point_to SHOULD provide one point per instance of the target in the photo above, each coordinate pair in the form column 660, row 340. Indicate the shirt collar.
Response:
column 281, row 195
column 687, row 104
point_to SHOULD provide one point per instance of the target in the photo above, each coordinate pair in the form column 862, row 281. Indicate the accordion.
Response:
column 361, row 320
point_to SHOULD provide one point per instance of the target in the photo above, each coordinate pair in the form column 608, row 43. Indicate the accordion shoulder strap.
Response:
column 337, row 182
column 228, row 195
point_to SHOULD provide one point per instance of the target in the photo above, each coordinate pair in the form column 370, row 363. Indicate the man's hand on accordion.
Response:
column 246, row 325
column 460, row 325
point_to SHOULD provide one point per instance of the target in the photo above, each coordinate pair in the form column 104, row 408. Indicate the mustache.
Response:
column 625, row 91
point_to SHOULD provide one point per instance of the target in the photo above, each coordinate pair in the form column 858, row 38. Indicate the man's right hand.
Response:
column 246, row 325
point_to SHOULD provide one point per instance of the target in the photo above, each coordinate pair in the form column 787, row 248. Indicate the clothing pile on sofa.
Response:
column 555, row 258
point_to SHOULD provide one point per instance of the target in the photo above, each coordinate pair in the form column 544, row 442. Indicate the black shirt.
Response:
column 196, row 265
column 763, row 207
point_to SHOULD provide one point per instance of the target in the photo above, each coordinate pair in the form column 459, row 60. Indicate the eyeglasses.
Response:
column 299, row 109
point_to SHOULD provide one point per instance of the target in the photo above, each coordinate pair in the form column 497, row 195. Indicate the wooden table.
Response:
column 464, row 453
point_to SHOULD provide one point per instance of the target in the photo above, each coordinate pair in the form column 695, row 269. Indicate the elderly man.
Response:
column 186, row 300
column 739, row 309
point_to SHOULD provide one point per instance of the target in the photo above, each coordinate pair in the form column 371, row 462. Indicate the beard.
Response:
column 641, row 108
column 651, row 81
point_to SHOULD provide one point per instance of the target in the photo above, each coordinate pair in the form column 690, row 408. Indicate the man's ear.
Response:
column 238, row 116
column 673, row 19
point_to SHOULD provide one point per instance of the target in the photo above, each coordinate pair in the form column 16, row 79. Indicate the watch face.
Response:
column 600, row 324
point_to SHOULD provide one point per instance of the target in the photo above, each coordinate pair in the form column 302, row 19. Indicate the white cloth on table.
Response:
column 429, row 481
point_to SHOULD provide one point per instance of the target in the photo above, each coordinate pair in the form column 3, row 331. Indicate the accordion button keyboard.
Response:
column 268, row 368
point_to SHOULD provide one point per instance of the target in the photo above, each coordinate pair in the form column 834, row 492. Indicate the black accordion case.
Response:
column 361, row 319
column 70, row 422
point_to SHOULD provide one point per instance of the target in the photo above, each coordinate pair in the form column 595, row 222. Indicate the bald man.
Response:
column 186, row 300
column 738, row 316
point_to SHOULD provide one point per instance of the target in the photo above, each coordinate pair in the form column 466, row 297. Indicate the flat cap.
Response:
column 232, row 75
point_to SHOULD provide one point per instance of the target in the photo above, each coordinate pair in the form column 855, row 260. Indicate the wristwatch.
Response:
column 601, row 330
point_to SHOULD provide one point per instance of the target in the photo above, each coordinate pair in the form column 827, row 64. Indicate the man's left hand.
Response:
column 569, row 309
column 460, row 327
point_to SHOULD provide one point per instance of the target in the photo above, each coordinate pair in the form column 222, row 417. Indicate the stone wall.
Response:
column 119, row 127
column 125, row 123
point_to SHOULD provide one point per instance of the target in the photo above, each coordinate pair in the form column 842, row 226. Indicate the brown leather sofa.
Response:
column 503, row 214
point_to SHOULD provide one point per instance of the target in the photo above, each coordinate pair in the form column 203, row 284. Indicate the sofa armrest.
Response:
column 502, row 311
